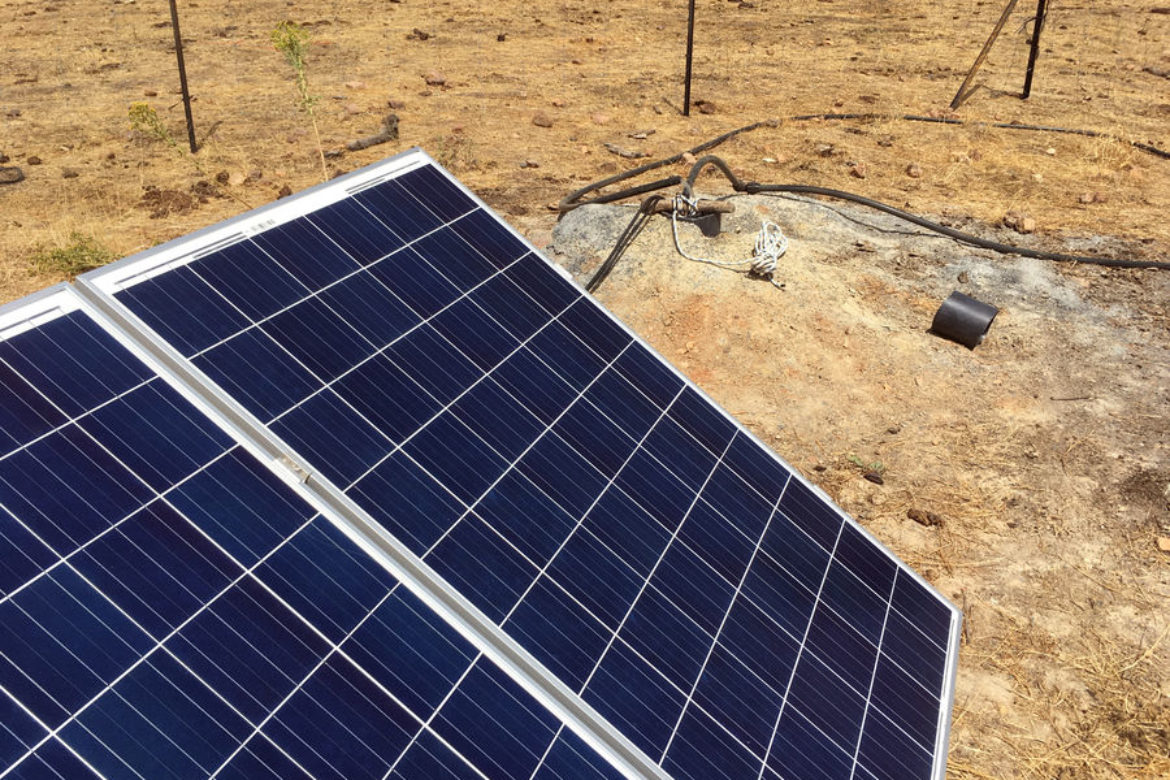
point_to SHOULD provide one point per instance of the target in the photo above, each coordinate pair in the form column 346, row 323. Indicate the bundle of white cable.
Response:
column 771, row 244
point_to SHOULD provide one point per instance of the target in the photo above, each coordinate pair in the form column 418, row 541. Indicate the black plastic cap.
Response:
column 963, row 319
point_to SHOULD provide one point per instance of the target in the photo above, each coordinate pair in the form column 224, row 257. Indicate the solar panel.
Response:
column 678, row 599
column 169, row 607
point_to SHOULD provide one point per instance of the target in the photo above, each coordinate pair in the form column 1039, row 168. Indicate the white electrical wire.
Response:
column 771, row 244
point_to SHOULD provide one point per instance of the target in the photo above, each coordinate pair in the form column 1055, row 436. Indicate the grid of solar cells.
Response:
column 556, row 473
column 169, row 608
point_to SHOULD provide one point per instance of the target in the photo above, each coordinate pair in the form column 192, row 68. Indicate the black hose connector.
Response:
column 963, row 319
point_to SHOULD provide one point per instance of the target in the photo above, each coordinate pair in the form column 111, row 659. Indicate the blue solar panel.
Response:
column 661, row 563
column 170, row 608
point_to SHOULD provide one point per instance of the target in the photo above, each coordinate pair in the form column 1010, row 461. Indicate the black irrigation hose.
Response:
column 573, row 199
column 641, row 217
column 754, row 188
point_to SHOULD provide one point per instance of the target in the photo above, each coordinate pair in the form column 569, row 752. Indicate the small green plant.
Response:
column 877, row 466
column 82, row 253
column 292, row 40
column 145, row 120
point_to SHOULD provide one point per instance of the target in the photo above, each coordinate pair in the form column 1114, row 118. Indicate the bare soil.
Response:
column 1044, row 450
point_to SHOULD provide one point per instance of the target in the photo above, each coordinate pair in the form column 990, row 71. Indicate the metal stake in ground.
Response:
column 183, row 76
column 1037, row 26
column 963, row 94
column 690, row 53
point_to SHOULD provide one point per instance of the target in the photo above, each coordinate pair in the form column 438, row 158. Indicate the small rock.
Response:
column 3, row 158
column 396, row 104
column 600, row 119
column 33, row 160
column 823, row 150
column 873, row 477
column 69, row 173
column 502, row 37
column 255, row 175
column 928, row 519
column 11, row 175
column 688, row 158
column 353, row 109
column 1021, row 223
column 222, row 177
column 858, row 171
column 705, row 106
column 149, row 93
column 541, row 119
column 893, row 430
column 1051, row 152
column 558, row 103
column 964, row 277
column 435, row 79
column 418, row 35
column 284, row 192
column 235, row 179
column 530, row 164
column 1164, row 544
column 355, row 85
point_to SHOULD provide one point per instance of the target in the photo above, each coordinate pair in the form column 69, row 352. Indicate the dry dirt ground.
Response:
column 1044, row 450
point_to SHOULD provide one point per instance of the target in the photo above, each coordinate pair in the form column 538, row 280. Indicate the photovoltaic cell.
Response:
column 170, row 608
column 649, row 552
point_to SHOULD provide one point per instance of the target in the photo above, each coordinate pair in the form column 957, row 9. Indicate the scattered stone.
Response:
column 923, row 517
column 1050, row 151
column 222, row 177
column 823, row 150
column 284, row 192
column 69, row 173
column 236, row 179
column 3, row 158
column 530, row 164
column 600, row 119
column 149, row 93
column 541, row 119
column 397, row 105
column 333, row 154
column 418, row 35
column 688, row 158
column 894, row 430
column 964, row 277
column 629, row 154
column 11, row 175
column 873, row 477
column 642, row 135
column 502, row 37
column 33, row 160
column 1021, row 223
column 857, row 170
column 914, row 171
column 355, row 85
column 705, row 106
column 1164, row 544
column 435, row 79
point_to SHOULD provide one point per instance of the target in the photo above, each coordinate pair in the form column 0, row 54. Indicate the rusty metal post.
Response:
column 690, row 54
column 1037, row 26
column 183, row 76
column 961, row 95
